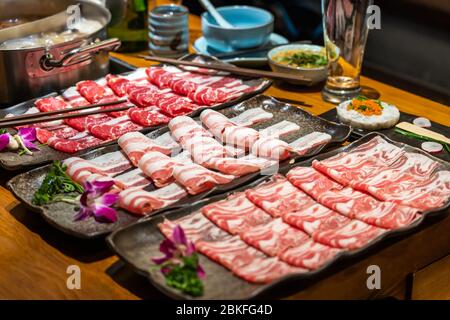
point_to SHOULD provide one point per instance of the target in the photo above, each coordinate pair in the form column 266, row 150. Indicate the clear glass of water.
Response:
column 345, row 35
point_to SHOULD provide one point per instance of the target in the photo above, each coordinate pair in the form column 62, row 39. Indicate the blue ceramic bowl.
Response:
column 251, row 28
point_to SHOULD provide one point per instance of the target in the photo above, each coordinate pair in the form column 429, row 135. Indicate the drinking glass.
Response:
column 345, row 34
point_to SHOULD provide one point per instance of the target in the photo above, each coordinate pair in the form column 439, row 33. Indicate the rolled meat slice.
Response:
column 136, row 144
column 80, row 141
column 235, row 166
column 184, row 128
column 159, row 167
column 117, row 84
column 107, row 164
column 271, row 148
column 252, row 116
column 197, row 179
column 202, row 149
column 92, row 91
column 131, row 179
column 147, row 117
column 304, row 144
column 143, row 202
column 215, row 122
column 240, row 136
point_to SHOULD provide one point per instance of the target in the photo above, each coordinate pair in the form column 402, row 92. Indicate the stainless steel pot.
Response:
column 28, row 73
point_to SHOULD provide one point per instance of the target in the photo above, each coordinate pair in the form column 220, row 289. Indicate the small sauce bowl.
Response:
column 315, row 75
column 252, row 27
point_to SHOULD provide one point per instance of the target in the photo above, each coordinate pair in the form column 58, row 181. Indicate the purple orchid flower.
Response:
column 174, row 251
column 22, row 140
column 4, row 140
column 28, row 136
column 96, row 202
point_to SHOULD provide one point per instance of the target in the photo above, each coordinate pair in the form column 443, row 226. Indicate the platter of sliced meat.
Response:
column 188, row 160
column 280, row 233
column 157, row 94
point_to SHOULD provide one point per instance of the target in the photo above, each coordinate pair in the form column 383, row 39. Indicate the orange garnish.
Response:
column 367, row 107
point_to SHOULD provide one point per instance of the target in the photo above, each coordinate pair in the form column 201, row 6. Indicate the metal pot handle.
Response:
column 78, row 55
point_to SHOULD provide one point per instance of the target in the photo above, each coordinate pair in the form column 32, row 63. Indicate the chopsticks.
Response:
column 49, row 113
column 254, row 50
column 231, row 69
column 66, row 114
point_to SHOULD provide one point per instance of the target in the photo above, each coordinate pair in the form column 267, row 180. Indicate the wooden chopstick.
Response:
column 231, row 69
column 49, row 113
column 22, row 122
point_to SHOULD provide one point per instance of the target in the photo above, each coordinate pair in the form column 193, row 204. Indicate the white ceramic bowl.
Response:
column 315, row 75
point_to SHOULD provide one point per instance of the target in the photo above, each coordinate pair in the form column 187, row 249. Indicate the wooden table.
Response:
column 34, row 257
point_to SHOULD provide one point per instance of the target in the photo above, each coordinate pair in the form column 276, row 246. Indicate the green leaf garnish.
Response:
column 56, row 183
column 420, row 137
column 184, row 277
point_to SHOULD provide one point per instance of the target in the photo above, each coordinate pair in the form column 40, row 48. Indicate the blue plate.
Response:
column 255, row 59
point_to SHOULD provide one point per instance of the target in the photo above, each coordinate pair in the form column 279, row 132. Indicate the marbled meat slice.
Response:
column 271, row 148
column 61, row 132
column 197, row 179
column 311, row 181
column 202, row 149
column 274, row 237
column 51, row 104
column 252, row 116
column 239, row 136
column 351, row 167
column 159, row 167
column 117, row 84
column 174, row 105
column 80, row 141
column 184, row 128
column 314, row 218
column 92, row 91
column 310, row 141
column 144, row 94
column 147, row 117
column 266, row 270
column 237, row 166
column 278, row 196
column 136, row 144
column 408, row 167
column 355, row 204
column 231, row 252
column 107, row 164
column 426, row 193
column 114, row 128
column 353, row 235
column 143, row 202
column 132, row 179
column 235, row 214
column 310, row 255
column 196, row 227
column 215, row 121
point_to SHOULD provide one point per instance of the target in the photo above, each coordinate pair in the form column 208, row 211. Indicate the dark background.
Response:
column 411, row 51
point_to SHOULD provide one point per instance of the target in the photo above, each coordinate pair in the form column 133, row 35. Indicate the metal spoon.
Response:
column 216, row 15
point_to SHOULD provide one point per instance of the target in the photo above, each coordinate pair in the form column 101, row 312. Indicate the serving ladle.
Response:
column 216, row 15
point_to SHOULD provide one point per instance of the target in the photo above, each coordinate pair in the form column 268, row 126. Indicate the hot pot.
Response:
column 32, row 72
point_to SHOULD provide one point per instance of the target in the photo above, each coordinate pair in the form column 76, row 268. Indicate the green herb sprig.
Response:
column 420, row 137
column 184, row 277
column 57, row 186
